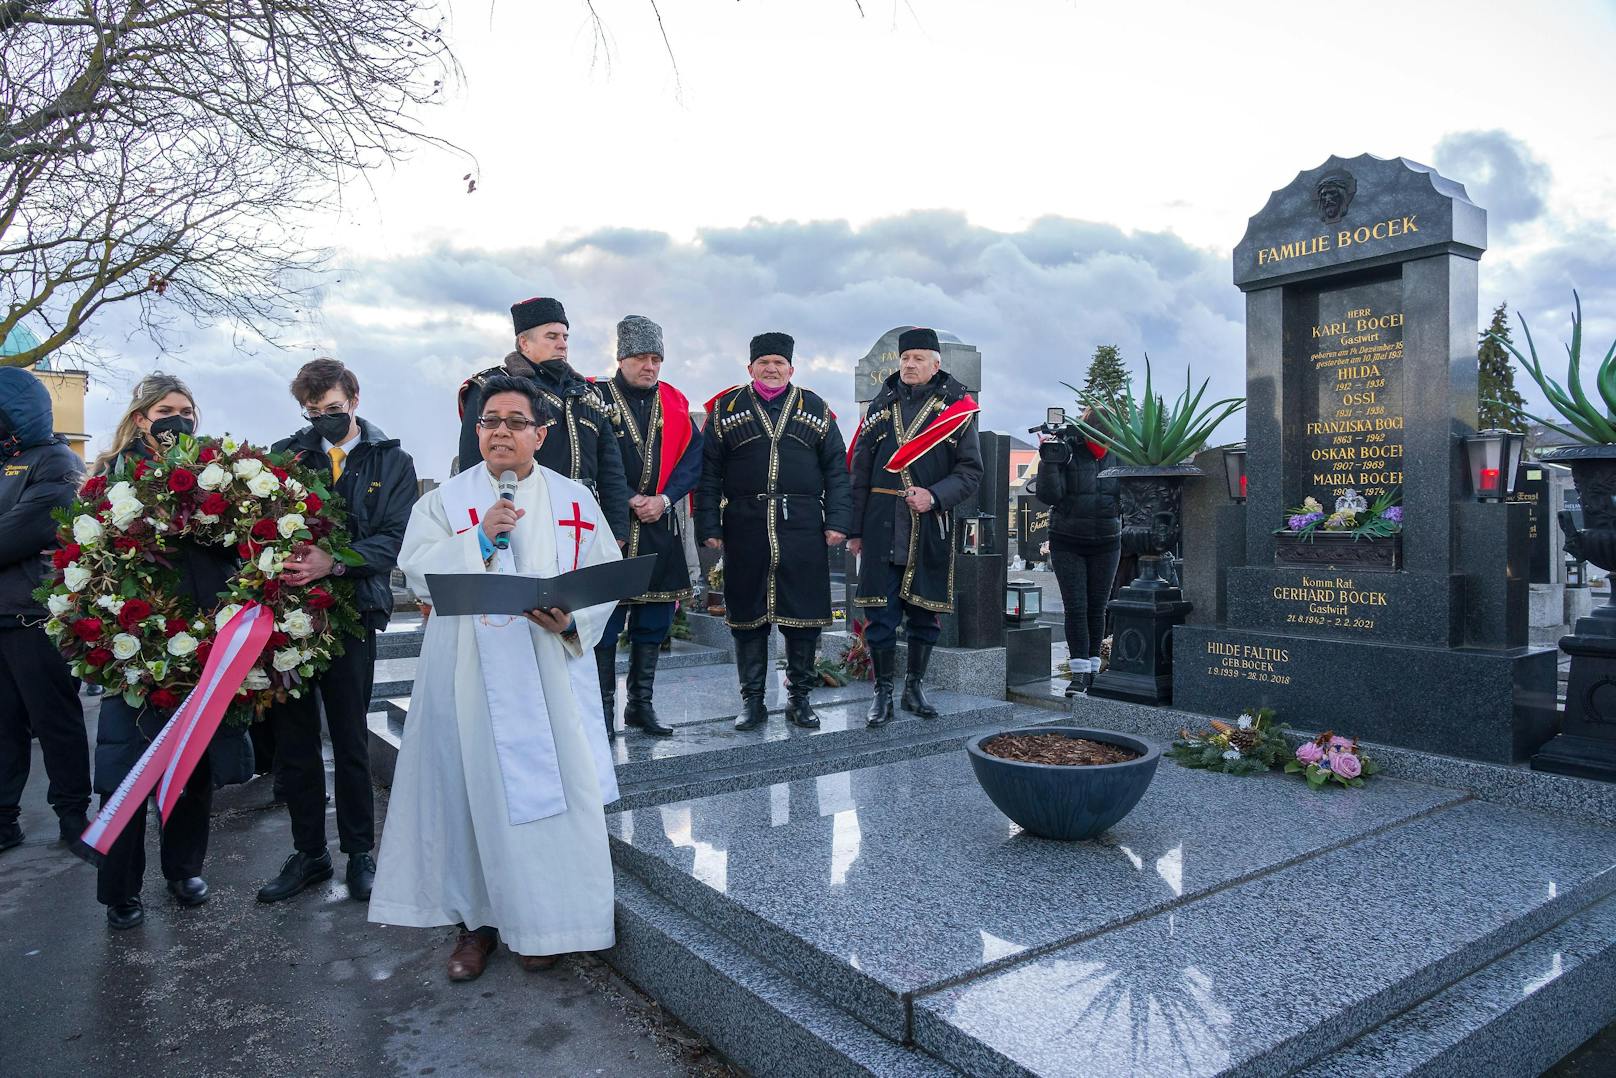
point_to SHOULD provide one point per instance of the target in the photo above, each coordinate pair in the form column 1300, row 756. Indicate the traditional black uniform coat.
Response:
column 580, row 444
column 773, row 481
column 938, row 413
column 661, row 452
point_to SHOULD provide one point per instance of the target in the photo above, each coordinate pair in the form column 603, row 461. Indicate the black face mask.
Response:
column 333, row 428
column 168, row 429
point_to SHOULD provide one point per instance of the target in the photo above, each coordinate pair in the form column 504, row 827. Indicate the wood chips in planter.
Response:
column 1056, row 749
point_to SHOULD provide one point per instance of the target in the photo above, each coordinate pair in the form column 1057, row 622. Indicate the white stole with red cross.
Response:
column 519, row 700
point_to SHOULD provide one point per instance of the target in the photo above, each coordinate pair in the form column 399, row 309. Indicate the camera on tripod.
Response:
column 1053, row 425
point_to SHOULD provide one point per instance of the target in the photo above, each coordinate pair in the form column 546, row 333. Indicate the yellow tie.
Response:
column 337, row 456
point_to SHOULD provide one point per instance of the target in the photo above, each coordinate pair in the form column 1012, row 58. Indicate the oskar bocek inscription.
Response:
column 1346, row 237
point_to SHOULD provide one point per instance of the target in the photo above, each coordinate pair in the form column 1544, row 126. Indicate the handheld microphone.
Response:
column 507, row 491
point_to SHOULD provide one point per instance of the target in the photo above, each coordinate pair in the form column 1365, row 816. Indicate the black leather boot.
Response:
column 914, row 696
column 752, row 666
column 642, row 660
column 606, row 668
column 800, row 680
column 884, row 662
column 299, row 871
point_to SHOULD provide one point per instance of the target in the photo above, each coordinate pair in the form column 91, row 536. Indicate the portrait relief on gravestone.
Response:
column 1334, row 194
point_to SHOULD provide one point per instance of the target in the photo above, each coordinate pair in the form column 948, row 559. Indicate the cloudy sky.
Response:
column 1036, row 176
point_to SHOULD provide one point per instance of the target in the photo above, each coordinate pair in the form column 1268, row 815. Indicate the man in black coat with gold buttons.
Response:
column 774, row 496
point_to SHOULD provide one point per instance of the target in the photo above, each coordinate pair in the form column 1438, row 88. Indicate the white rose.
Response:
column 205, row 518
column 222, row 618
column 246, row 469
column 298, row 625
column 268, row 564
column 106, row 602
column 58, row 605
column 229, row 540
column 125, row 511
column 296, row 489
column 181, row 644
column 290, row 524
column 256, row 680
column 75, row 576
column 86, row 530
column 132, row 675
column 263, row 484
column 213, row 477
column 125, row 646
column 288, row 659
column 120, row 491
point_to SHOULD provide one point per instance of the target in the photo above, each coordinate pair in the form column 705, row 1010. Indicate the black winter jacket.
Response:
column 1086, row 509
column 38, row 473
column 378, row 488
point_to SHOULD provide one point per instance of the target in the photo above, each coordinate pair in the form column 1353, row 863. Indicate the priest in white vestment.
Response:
column 496, row 821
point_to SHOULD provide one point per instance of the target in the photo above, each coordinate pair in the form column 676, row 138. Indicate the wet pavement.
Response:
column 307, row 986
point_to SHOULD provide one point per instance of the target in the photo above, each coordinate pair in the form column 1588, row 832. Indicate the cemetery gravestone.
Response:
column 1360, row 281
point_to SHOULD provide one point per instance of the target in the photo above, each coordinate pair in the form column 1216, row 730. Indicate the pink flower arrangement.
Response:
column 1346, row 765
column 1328, row 758
column 1309, row 753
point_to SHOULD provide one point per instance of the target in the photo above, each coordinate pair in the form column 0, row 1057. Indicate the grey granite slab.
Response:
column 879, row 883
column 753, row 1013
column 711, row 691
column 1518, row 1015
column 1283, row 969
column 395, row 675
column 700, row 744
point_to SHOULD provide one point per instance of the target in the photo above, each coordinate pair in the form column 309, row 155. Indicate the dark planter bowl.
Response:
column 1060, row 802
column 1336, row 550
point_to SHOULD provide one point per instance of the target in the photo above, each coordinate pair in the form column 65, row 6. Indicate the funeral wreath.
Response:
column 1251, row 745
column 115, row 608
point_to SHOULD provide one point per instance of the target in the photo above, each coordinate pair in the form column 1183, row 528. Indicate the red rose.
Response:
column 278, row 640
column 216, row 504
column 265, row 530
column 141, row 468
column 272, row 589
column 279, row 473
column 163, row 699
column 174, row 626
column 62, row 557
column 87, row 628
column 203, row 649
column 312, row 503
column 124, row 542
column 102, row 506
column 93, row 487
column 180, row 481
column 207, row 455
column 134, row 611
column 320, row 599
column 247, row 550
column 98, row 657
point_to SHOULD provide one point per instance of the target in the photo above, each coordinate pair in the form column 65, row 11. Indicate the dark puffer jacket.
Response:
column 1085, row 509
column 38, row 473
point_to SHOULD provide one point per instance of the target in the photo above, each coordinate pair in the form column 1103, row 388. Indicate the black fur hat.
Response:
column 772, row 344
column 538, row 311
column 918, row 338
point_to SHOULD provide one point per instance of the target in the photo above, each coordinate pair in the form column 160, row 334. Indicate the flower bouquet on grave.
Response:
column 1328, row 758
column 1354, row 515
column 1251, row 745
column 856, row 659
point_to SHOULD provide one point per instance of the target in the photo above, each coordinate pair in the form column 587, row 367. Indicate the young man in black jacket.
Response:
column 376, row 480
column 38, row 473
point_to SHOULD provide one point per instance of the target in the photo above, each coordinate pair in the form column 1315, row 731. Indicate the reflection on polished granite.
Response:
column 709, row 693
column 877, row 884
column 1283, row 969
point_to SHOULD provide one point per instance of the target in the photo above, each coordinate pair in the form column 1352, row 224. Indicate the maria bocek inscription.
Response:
column 1348, row 366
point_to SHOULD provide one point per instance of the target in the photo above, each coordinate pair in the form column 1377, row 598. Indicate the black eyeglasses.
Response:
column 512, row 423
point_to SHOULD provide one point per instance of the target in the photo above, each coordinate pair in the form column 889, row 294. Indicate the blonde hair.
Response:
column 148, row 392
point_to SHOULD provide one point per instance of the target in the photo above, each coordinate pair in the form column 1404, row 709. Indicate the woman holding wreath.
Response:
column 161, row 410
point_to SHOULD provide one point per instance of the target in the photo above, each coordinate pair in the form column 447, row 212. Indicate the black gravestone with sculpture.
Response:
column 1360, row 279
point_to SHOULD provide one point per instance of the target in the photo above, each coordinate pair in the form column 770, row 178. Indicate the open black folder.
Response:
column 456, row 594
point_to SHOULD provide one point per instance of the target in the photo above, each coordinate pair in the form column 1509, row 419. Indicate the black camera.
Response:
column 1053, row 425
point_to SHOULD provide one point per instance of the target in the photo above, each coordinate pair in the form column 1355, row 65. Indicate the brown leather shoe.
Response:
column 538, row 963
column 470, row 955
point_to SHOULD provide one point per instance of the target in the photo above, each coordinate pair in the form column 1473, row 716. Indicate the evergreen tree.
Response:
column 1498, row 399
column 1107, row 376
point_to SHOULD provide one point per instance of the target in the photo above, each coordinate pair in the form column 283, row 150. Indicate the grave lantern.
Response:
column 1494, row 458
column 1023, row 602
column 1234, row 466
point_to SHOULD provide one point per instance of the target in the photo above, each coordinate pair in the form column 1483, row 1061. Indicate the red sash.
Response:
column 953, row 417
column 676, row 431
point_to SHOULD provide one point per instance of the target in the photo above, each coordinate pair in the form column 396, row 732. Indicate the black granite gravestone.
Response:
column 1032, row 528
column 1532, row 491
column 1360, row 282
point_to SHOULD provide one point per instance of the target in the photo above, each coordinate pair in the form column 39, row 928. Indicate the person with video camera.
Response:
column 1085, row 537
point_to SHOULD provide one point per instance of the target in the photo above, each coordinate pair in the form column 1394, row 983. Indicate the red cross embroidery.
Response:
column 578, row 525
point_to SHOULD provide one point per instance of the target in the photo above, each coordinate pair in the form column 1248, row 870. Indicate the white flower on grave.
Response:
column 1231, row 754
column 269, row 563
column 1244, row 722
column 58, row 605
column 229, row 445
column 86, row 530
column 75, row 576
column 263, row 484
column 181, row 644
column 289, row 525
column 213, row 477
column 246, row 469
column 298, row 625
column 1351, row 502
column 256, row 680
column 125, row 646
column 288, row 659
column 222, row 618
